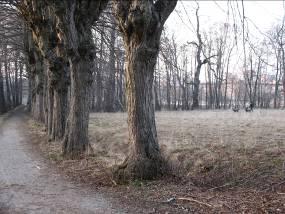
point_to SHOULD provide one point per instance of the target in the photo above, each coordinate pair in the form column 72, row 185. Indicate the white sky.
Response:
column 262, row 13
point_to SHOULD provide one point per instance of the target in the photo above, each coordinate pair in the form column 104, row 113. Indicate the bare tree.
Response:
column 200, row 62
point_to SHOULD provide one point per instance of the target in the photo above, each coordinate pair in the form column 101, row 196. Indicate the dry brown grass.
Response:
column 233, row 161
column 212, row 148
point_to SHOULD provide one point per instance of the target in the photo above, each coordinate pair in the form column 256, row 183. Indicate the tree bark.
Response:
column 141, row 23
column 74, row 22
column 59, row 77
column 76, row 138
column 41, row 19
column 37, row 91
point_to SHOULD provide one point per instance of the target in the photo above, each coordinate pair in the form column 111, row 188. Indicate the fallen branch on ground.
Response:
column 194, row 200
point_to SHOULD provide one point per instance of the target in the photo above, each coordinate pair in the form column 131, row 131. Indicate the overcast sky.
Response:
column 262, row 13
column 260, row 16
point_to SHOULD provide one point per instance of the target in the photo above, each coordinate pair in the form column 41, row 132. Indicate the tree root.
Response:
column 141, row 168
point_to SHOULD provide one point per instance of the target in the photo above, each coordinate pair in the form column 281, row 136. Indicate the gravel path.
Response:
column 28, row 185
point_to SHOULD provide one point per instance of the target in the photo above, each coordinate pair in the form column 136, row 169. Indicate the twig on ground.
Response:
column 113, row 181
column 218, row 187
column 194, row 200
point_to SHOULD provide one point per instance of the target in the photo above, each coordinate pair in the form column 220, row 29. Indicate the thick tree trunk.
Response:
column 37, row 96
column 59, row 77
column 37, row 106
column 141, row 23
column 74, row 20
column 76, row 137
column 35, row 70
column 145, row 159
column 59, row 113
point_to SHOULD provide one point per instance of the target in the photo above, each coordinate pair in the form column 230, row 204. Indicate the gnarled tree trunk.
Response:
column 41, row 19
column 141, row 23
column 76, row 138
column 74, row 22
column 37, row 98
column 59, row 75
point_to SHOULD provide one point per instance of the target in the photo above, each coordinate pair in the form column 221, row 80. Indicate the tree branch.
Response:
column 164, row 8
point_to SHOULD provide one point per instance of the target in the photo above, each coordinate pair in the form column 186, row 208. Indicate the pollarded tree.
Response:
column 36, row 74
column 40, row 19
column 141, row 23
column 74, row 21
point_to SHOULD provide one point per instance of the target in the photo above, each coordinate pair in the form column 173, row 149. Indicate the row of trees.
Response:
column 11, row 60
column 64, row 59
column 82, row 55
column 178, row 73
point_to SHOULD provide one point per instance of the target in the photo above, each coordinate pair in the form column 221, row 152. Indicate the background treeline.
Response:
column 12, row 60
column 224, row 84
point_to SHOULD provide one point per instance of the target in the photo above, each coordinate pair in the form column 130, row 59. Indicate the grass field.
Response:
column 211, row 147
column 223, row 162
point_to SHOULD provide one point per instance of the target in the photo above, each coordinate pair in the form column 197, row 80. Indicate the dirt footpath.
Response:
column 28, row 185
